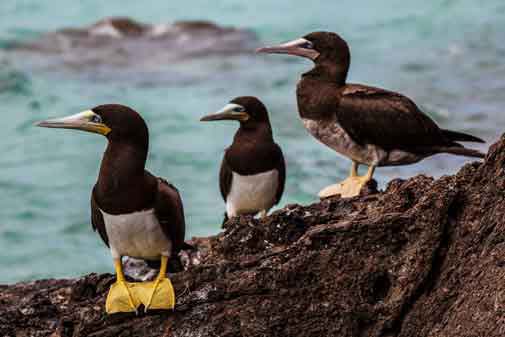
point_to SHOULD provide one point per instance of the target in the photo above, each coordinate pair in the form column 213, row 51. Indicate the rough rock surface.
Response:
column 424, row 258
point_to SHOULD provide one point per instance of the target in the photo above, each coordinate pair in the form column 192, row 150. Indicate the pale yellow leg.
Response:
column 157, row 294
column 369, row 173
column 354, row 169
column 120, row 298
column 351, row 186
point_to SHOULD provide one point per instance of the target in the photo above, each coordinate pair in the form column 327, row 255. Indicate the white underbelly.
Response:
column 252, row 194
column 137, row 234
column 334, row 136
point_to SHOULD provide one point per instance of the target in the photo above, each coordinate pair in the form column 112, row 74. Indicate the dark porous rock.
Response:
column 423, row 258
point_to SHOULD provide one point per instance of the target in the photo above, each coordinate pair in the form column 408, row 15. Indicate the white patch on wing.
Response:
column 137, row 234
column 334, row 136
column 252, row 193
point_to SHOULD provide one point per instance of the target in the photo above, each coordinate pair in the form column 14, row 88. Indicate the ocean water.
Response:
column 449, row 56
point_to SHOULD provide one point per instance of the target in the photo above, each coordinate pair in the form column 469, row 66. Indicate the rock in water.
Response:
column 424, row 258
column 124, row 42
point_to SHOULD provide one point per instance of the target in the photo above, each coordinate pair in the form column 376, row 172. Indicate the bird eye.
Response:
column 307, row 45
column 238, row 109
column 96, row 119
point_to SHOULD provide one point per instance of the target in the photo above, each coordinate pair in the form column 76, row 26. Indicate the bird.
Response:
column 253, row 170
column 371, row 126
column 135, row 213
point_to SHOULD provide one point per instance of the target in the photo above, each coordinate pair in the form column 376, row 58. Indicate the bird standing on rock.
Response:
column 371, row 126
column 253, row 171
column 135, row 213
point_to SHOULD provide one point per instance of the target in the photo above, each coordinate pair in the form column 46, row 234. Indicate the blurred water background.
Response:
column 449, row 56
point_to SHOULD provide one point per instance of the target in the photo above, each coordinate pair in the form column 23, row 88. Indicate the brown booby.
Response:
column 135, row 213
column 253, row 172
column 369, row 125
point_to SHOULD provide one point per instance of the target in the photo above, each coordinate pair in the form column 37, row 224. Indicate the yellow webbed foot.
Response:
column 121, row 298
column 351, row 186
column 157, row 294
column 127, row 296
column 348, row 188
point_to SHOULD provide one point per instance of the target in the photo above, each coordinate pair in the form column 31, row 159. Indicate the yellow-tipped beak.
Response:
column 86, row 121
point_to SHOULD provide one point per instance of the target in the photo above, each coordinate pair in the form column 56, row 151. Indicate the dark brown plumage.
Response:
column 253, row 150
column 372, row 126
column 168, row 208
column 247, row 158
column 124, row 186
column 369, row 115
column 135, row 213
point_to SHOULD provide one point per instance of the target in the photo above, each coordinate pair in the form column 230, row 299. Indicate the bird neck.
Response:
column 254, row 132
column 317, row 99
column 335, row 72
column 122, row 167
column 252, row 151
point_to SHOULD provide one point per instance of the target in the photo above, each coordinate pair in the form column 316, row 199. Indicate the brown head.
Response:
column 118, row 123
column 126, row 132
column 329, row 52
column 248, row 110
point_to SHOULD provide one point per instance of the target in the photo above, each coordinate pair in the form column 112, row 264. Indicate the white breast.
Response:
column 136, row 234
column 253, row 193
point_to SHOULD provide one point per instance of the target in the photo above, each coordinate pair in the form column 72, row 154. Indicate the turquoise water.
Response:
column 447, row 55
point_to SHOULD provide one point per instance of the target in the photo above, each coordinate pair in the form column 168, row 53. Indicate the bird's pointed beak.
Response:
column 229, row 112
column 299, row 47
column 85, row 121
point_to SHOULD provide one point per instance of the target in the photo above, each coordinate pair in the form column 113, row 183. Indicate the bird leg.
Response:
column 351, row 186
column 120, row 298
column 157, row 294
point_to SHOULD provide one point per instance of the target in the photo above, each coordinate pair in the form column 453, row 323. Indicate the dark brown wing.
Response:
column 170, row 213
column 97, row 219
column 387, row 119
column 281, row 168
column 225, row 178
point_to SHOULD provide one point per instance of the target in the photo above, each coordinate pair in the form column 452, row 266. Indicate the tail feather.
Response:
column 462, row 151
column 461, row 137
